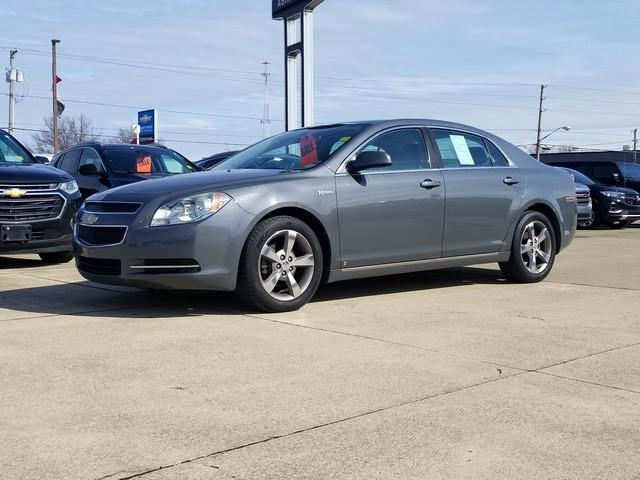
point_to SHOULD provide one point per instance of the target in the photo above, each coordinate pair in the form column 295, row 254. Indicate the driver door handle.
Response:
column 510, row 181
column 429, row 184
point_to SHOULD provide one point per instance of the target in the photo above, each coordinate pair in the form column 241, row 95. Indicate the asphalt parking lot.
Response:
column 452, row 374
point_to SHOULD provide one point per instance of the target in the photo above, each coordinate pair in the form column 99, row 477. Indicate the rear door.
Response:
column 483, row 193
column 392, row 214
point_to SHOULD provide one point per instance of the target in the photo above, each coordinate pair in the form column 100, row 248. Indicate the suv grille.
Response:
column 631, row 200
column 101, row 236
column 30, row 207
column 98, row 266
column 112, row 207
column 583, row 197
column 29, row 186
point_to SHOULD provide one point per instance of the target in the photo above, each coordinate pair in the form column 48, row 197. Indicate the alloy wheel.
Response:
column 536, row 247
column 286, row 265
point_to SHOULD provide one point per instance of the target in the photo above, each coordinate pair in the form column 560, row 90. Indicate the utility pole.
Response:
column 542, row 87
column 12, row 77
column 635, row 145
column 266, row 120
column 54, row 84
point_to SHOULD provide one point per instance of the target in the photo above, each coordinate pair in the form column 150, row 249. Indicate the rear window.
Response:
column 147, row 161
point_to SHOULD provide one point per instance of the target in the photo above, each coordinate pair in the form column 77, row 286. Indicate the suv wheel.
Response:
column 56, row 257
column 533, row 250
column 281, row 265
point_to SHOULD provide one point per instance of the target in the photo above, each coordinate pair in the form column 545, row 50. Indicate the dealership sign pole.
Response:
column 298, row 61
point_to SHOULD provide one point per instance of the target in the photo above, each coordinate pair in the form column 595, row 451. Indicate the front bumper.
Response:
column 48, row 236
column 196, row 256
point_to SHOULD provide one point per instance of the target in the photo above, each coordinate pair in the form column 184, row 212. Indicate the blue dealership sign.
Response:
column 147, row 120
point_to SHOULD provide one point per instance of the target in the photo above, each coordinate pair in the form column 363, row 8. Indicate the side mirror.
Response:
column 41, row 159
column 367, row 160
column 89, row 169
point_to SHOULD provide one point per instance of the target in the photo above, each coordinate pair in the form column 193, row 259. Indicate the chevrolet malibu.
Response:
column 332, row 203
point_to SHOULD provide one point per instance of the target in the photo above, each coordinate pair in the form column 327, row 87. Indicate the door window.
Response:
column 405, row 147
column 69, row 162
column 604, row 171
column 497, row 158
column 90, row 157
column 459, row 149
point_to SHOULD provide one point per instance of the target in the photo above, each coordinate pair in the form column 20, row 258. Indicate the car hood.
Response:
column 190, row 183
column 33, row 173
column 610, row 188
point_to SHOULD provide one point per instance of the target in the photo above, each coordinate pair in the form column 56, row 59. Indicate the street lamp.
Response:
column 565, row 128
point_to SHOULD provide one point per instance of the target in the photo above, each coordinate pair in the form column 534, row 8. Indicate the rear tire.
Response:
column 533, row 250
column 51, row 258
column 281, row 265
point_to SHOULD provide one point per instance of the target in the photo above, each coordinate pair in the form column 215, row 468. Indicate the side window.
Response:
column 70, row 161
column 459, row 149
column 90, row 157
column 604, row 171
column 405, row 147
column 497, row 158
column 57, row 160
column 171, row 165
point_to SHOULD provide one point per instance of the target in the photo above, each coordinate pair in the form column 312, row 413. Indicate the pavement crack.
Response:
column 597, row 384
column 323, row 425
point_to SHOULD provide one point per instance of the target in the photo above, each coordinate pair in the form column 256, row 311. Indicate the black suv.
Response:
column 213, row 160
column 606, row 168
column 97, row 167
column 37, row 204
column 612, row 206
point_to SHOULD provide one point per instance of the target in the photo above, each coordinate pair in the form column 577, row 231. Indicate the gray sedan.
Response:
column 332, row 203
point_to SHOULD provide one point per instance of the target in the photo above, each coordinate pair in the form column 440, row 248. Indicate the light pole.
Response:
column 565, row 128
column 54, row 89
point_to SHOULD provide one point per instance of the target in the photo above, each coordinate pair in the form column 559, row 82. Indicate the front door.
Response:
column 392, row 214
column 90, row 184
column 483, row 193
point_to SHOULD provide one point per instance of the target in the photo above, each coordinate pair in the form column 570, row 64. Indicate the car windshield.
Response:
column 295, row 150
column 11, row 153
column 147, row 161
column 579, row 177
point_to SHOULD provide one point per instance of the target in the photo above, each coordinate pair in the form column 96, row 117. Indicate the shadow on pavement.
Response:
column 87, row 299
column 14, row 262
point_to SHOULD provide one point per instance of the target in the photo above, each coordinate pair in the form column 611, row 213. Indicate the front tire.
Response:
column 52, row 258
column 533, row 250
column 281, row 265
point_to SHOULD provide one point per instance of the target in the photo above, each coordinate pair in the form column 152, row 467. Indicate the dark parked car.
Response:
column 612, row 206
column 97, row 167
column 210, row 162
column 37, row 204
column 332, row 203
column 595, row 165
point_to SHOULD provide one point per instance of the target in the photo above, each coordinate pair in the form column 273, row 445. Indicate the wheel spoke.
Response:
column 294, row 288
column 525, row 248
column 544, row 255
column 289, row 240
column 532, row 261
column 270, row 283
column 543, row 235
column 303, row 261
column 269, row 253
column 531, row 230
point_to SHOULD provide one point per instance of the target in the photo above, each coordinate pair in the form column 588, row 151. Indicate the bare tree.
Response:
column 124, row 135
column 71, row 131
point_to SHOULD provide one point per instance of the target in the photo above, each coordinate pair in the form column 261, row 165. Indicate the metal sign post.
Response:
column 298, row 62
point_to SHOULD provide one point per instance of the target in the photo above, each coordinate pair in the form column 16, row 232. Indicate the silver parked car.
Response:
column 332, row 203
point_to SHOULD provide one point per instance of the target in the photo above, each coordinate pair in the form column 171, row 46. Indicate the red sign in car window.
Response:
column 308, row 150
column 143, row 164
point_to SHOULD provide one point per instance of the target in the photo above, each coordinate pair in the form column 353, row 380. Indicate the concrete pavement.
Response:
column 453, row 374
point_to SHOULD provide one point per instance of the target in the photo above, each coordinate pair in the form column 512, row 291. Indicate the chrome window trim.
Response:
column 342, row 171
column 90, row 245
column 40, row 192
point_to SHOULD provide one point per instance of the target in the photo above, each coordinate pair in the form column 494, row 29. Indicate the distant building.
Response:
column 613, row 155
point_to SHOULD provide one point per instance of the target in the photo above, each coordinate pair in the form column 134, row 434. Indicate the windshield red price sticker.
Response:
column 143, row 164
column 308, row 150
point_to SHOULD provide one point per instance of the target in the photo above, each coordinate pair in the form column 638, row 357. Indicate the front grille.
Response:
column 167, row 265
column 29, row 186
column 98, row 266
column 101, row 236
column 111, row 207
column 632, row 200
column 30, row 207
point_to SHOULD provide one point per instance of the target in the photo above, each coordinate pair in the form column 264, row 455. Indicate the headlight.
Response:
column 612, row 194
column 189, row 209
column 69, row 187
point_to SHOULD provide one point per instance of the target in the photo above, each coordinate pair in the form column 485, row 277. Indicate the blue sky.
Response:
column 475, row 62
